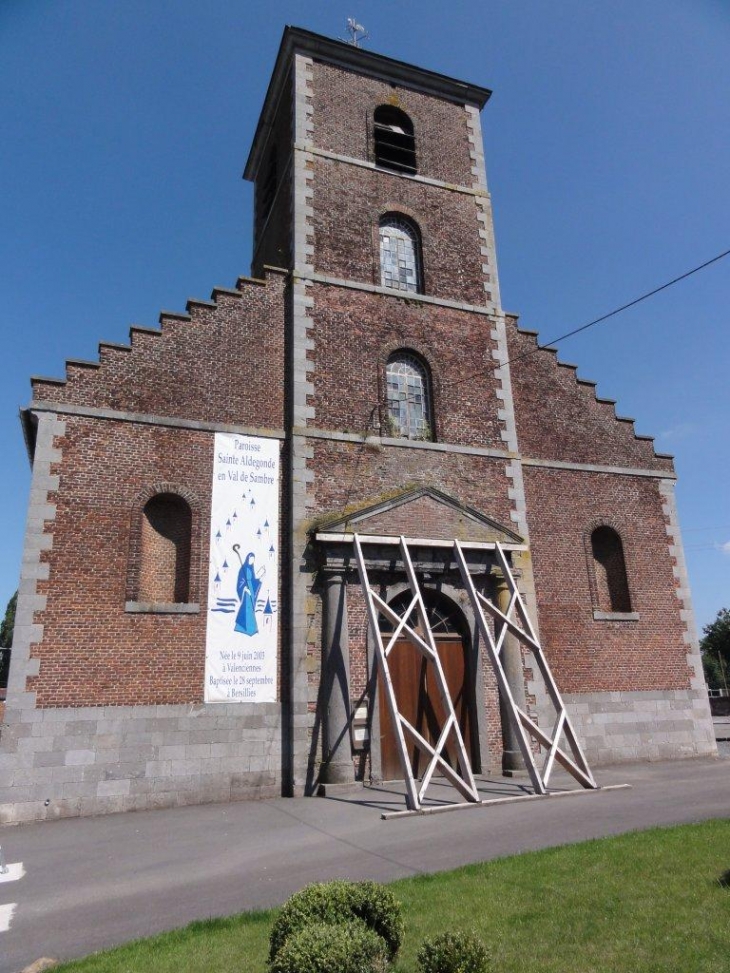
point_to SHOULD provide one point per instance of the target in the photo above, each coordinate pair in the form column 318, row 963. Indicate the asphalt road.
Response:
column 91, row 883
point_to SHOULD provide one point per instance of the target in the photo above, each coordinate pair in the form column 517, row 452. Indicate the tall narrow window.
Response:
column 400, row 254
column 409, row 397
column 164, row 566
column 611, row 581
column 395, row 145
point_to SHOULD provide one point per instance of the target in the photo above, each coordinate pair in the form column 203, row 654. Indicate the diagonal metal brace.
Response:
column 517, row 621
column 424, row 642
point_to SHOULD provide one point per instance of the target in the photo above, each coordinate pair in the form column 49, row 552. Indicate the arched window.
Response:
column 395, row 145
column 608, row 560
column 409, row 397
column 400, row 254
column 164, row 561
column 444, row 615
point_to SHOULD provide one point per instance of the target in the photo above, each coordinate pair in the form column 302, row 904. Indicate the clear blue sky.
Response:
column 126, row 126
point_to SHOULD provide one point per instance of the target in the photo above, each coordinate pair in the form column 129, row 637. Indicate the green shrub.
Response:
column 335, row 903
column 380, row 911
column 348, row 947
column 453, row 953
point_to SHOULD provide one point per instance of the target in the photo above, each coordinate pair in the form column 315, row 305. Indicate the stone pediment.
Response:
column 424, row 513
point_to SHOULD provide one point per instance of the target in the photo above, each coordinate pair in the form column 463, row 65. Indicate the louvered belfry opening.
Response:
column 395, row 144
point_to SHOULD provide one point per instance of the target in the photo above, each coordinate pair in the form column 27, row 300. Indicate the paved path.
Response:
column 91, row 883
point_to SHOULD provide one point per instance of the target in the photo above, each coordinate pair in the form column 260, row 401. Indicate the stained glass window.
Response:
column 399, row 255
column 409, row 408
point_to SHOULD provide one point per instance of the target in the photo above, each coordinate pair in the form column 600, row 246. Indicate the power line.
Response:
column 603, row 317
column 554, row 341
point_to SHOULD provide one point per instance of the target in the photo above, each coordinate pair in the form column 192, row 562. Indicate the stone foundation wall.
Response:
column 616, row 727
column 96, row 760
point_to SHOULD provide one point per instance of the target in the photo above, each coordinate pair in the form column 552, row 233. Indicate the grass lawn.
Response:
column 644, row 902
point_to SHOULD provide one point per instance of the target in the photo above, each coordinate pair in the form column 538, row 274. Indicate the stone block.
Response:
column 78, row 789
column 197, row 750
column 186, row 767
column 107, row 757
column 78, row 757
column 137, row 754
column 112, row 788
column 53, row 758
column 65, row 775
column 140, row 785
column 158, row 768
column 173, row 752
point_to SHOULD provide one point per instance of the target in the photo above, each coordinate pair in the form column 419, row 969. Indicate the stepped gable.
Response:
column 222, row 361
column 560, row 417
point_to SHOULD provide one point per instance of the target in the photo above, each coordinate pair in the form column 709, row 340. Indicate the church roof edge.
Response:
column 298, row 40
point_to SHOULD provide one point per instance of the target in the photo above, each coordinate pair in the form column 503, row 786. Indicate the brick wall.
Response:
column 93, row 651
column 356, row 332
column 559, row 417
column 223, row 362
column 590, row 655
column 351, row 473
column 349, row 202
column 344, row 103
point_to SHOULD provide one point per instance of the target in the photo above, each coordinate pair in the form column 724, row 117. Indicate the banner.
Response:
column 243, row 585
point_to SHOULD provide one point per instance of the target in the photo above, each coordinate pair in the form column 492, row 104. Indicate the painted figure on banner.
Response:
column 248, row 586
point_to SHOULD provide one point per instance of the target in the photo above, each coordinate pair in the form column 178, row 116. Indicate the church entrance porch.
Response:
column 357, row 725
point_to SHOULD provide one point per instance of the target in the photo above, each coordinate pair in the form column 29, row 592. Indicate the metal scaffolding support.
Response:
column 575, row 762
column 423, row 640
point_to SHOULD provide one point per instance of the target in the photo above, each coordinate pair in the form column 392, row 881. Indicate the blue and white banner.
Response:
column 243, row 580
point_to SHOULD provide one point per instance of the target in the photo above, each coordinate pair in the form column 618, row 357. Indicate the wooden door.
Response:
column 416, row 692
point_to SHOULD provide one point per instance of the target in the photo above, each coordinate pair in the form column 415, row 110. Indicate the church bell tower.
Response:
column 371, row 190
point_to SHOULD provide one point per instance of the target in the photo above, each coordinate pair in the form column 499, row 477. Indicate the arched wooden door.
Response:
column 415, row 686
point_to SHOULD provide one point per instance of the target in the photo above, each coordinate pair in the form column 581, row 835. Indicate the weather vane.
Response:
column 356, row 31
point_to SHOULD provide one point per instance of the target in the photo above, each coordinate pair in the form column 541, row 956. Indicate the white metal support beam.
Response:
column 521, row 627
column 414, row 625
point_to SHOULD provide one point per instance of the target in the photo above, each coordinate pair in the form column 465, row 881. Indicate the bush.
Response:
column 335, row 903
column 453, row 953
column 348, row 947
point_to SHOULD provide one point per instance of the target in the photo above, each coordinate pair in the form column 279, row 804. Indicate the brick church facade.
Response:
column 371, row 346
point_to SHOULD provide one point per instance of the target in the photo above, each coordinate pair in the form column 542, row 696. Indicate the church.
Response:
column 238, row 471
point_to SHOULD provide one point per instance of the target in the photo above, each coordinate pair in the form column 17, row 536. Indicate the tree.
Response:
column 715, row 646
column 6, row 629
